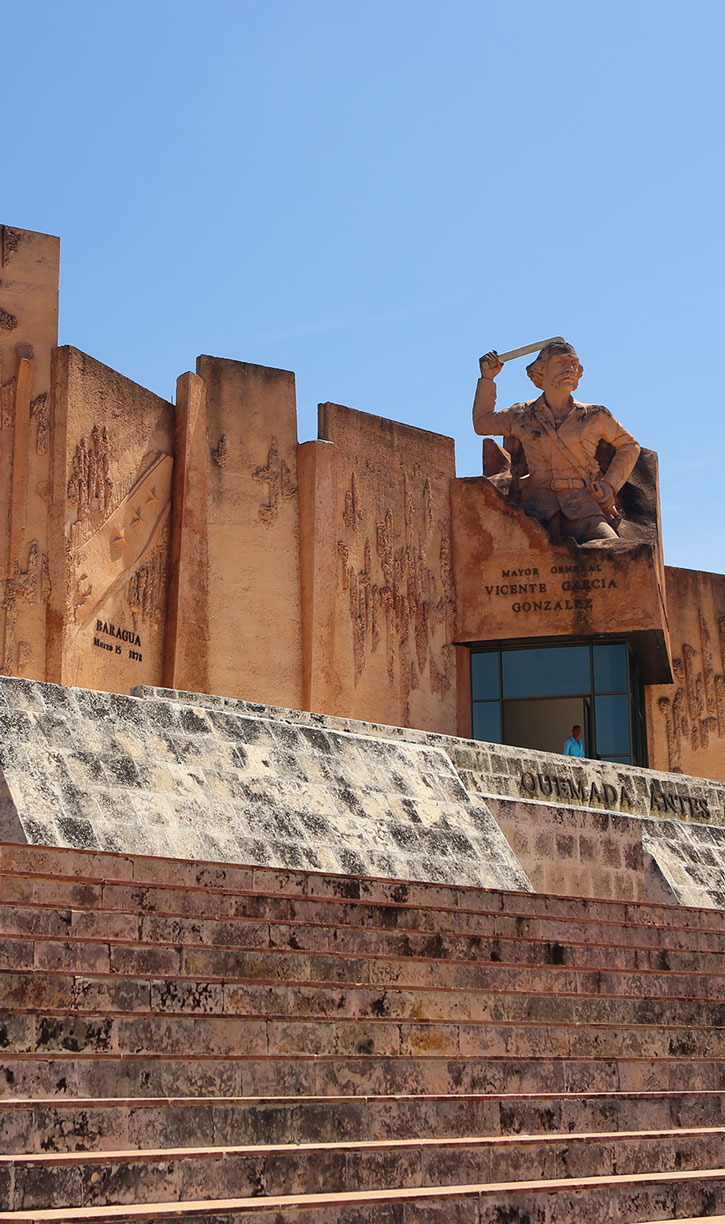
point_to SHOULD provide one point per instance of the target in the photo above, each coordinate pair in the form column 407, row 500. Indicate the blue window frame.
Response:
column 529, row 689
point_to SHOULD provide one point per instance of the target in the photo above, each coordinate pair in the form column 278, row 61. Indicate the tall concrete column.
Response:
column 187, row 619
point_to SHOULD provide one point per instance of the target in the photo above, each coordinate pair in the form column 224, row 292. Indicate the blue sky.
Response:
column 372, row 195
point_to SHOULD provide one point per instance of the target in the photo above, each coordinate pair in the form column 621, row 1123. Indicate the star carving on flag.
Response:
column 120, row 538
column 136, row 518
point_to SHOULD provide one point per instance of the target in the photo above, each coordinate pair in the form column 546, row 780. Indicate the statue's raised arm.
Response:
column 565, row 489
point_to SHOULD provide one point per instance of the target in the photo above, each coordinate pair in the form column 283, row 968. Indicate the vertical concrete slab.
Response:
column 318, row 477
column 29, row 270
column 383, row 523
column 112, row 474
column 686, row 720
column 187, row 619
column 255, row 614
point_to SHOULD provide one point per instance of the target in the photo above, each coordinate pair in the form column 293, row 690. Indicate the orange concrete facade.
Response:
column 199, row 546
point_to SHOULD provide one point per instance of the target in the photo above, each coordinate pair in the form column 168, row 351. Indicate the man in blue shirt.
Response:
column 574, row 745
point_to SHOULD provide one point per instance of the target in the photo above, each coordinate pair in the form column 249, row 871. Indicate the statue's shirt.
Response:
column 552, row 467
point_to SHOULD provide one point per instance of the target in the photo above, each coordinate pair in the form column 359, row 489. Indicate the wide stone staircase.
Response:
column 217, row 1043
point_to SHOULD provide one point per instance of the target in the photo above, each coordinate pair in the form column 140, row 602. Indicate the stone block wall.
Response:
column 578, row 853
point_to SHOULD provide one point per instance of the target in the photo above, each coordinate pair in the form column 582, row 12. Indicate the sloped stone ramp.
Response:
column 148, row 775
column 691, row 859
column 209, row 1042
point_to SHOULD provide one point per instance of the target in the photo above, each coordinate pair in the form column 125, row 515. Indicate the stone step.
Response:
column 295, row 963
column 526, row 1037
column 112, row 929
column 106, row 1032
column 56, row 1125
column 630, row 1197
column 160, row 1174
column 148, row 878
column 171, row 1074
column 56, row 902
column 112, row 994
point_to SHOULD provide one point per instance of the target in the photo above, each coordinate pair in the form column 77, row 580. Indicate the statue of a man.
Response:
column 565, row 488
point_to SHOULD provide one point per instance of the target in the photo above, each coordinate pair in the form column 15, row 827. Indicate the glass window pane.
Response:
column 552, row 671
column 611, row 715
column 487, row 721
column 618, row 760
column 484, row 674
column 610, row 668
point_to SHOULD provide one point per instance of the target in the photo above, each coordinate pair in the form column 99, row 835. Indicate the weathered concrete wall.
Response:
column 255, row 616
column 686, row 721
column 217, row 781
column 29, row 265
column 113, row 447
column 521, row 774
column 377, row 575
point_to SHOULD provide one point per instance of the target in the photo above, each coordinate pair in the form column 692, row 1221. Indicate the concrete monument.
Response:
column 566, row 487
column 198, row 545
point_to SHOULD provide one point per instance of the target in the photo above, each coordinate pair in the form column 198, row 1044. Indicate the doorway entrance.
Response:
column 545, row 723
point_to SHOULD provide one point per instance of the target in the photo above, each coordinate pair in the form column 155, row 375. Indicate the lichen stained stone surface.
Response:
column 187, row 777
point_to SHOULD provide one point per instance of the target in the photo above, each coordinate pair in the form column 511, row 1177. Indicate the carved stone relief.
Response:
column 696, row 712
column 32, row 585
column 352, row 513
column 7, row 404
column 280, row 486
column 219, row 452
column 427, row 506
column 90, row 485
column 9, row 241
column 120, row 533
column 39, row 413
column 146, row 590
column 398, row 596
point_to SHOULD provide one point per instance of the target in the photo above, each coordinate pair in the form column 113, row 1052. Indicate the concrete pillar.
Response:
column 187, row 619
